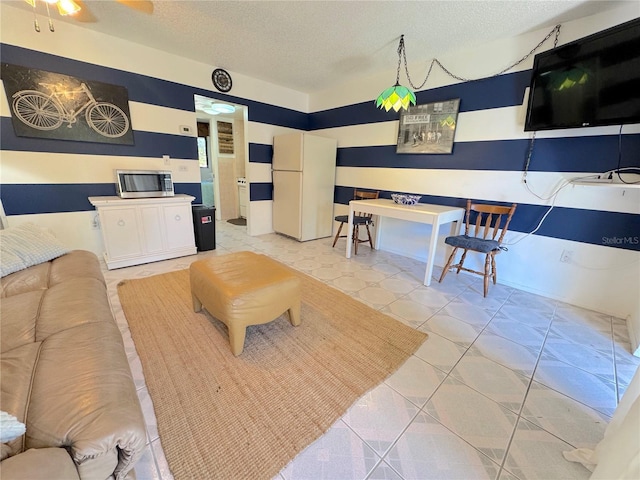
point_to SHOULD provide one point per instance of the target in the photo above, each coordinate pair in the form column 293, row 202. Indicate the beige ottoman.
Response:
column 242, row 289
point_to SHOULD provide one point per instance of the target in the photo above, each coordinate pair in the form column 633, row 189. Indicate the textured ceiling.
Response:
column 312, row 45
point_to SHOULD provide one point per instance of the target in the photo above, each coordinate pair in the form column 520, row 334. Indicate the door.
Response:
column 287, row 203
column 151, row 221
column 219, row 169
column 120, row 229
column 287, row 152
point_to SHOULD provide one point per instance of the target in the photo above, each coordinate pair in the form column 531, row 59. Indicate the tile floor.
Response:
column 499, row 390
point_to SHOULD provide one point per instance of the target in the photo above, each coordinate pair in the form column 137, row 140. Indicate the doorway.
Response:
column 224, row 154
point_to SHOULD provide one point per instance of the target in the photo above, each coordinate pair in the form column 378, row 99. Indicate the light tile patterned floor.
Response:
column 500, row 388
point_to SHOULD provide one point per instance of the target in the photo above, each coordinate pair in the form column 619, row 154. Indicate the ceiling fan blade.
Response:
column 144, row 6
column 84, row 15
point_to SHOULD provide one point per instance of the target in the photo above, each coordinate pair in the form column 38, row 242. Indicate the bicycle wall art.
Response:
column 56, row 106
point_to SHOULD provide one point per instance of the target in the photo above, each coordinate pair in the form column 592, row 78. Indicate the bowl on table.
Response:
column 405, row 198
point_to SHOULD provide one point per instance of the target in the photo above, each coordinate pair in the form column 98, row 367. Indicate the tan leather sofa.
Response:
column 64, row 374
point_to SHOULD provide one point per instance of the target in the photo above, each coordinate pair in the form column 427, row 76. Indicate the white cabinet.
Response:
column 143, row 230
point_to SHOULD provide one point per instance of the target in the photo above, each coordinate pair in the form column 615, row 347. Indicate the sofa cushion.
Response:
column 75, row 264
column 33, row 278
column 16, row 370
column 83, row 397
column 75, row 302
column 27, row 245
column 18, row 317
column 40, row 464
column 34, row 316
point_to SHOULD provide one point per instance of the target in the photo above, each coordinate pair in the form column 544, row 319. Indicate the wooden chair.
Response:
column 488, row 222
column 359, row 219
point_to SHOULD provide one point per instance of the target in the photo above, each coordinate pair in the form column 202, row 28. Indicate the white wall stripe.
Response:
column 260, row 172
column 52, row 168
column 481, row 184
column 263, row 132
column 74, row 229
column 482, row 125
column 261, row 217
column 157, row 119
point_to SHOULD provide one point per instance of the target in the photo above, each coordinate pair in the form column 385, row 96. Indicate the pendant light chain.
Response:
column 36, row 25
column 402, row 52
column 49, row 15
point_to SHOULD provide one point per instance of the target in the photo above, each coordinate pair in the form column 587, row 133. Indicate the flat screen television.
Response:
column 593, row 81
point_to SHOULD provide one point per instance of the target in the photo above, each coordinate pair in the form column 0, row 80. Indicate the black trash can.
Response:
column 204, row 227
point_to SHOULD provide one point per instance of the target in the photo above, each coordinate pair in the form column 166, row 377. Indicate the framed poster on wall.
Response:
column 428, row 128
column 225, row 137
column 56, row 106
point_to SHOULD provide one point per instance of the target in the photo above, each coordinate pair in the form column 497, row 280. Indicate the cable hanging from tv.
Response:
column 435, row 61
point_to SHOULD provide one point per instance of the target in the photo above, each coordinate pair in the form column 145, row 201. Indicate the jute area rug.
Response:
column 246, row 417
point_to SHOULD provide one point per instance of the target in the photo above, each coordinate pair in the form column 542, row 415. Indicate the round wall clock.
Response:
column 221, row 80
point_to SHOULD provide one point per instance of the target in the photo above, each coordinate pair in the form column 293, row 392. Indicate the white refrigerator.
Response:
column 304, row 174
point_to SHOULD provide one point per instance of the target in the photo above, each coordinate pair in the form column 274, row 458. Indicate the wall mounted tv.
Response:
column 590, row 82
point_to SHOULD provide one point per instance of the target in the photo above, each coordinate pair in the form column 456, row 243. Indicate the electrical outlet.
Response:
column 167, row 159
column 566, row 256
column 183, row 168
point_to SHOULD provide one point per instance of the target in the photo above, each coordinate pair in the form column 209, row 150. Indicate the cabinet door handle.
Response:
column 121, row 223
column 178, row 218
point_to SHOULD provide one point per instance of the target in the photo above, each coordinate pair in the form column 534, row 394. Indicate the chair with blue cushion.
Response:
column 359, row 219
column 482, row 225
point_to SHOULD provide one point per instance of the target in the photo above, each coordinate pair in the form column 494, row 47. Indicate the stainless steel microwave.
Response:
column 144, row 183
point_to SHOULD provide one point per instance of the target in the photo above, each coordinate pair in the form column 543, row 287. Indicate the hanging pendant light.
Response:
column 67, row 7
column 397, row 96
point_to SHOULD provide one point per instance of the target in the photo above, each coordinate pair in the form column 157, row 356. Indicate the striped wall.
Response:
column 600, row 226
column 49, row 181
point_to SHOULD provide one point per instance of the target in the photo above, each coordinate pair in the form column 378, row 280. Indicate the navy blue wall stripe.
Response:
column 260, row 153
column 193, row 189
column 147, row 144
column 356, row 114
column 566, row 154
column 28, row 199
column 493, row 92
column 146, row 89
column 260, row 191
column 596, row 227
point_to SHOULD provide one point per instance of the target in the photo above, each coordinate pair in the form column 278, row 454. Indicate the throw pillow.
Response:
column 27, row 245
column 10, row 427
